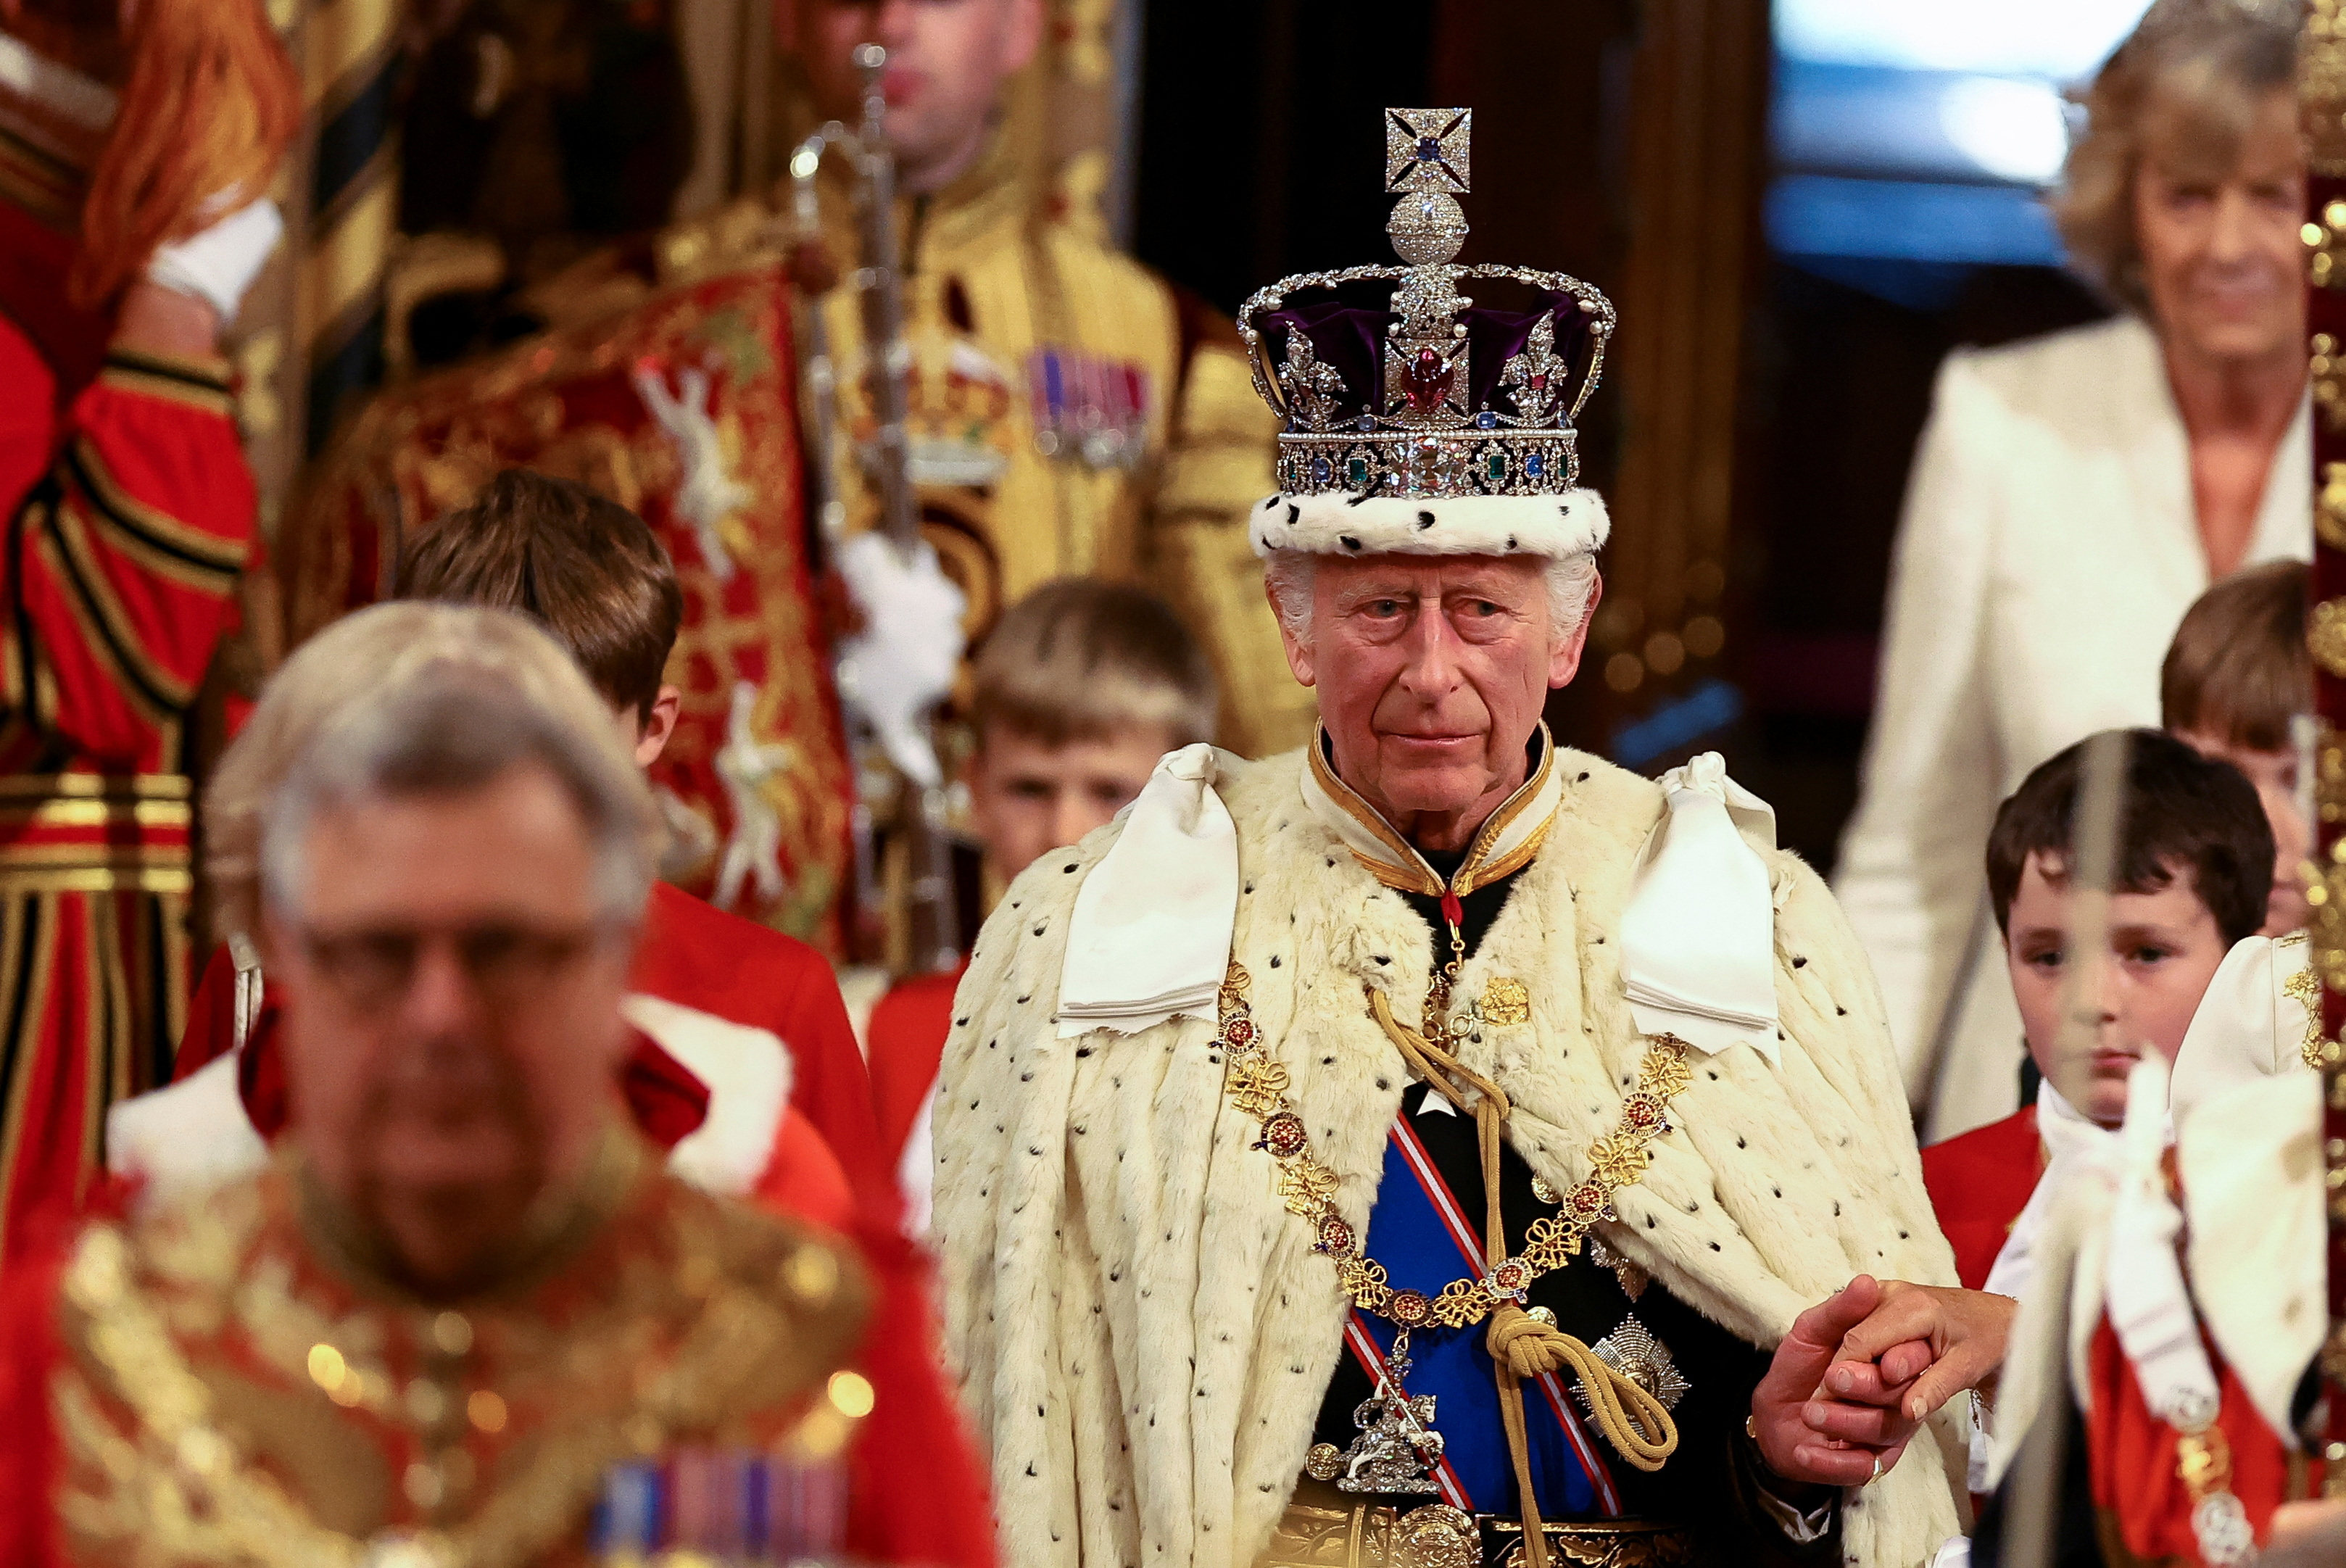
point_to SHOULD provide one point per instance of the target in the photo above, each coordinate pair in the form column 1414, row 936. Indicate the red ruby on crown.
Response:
column 1426, row 379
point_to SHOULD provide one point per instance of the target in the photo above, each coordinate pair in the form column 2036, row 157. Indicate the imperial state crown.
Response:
column 1421, row 394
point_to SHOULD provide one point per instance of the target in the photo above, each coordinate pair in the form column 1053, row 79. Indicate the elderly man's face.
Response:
column 452, row 1026
column 1433, row 671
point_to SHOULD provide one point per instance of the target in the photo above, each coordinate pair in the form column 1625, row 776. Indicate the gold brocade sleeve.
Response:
column 1217, row 465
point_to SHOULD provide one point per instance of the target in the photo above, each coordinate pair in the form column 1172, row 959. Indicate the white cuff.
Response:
column 219, row 264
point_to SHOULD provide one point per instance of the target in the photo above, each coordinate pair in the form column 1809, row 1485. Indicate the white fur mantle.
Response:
column 1143, row 1333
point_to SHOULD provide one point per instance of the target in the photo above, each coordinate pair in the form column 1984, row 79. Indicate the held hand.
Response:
column 1790, row 1443
column 1926, row 1342
column 1861, row 1371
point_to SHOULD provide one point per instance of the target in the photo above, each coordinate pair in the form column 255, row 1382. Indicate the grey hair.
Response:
column 2192, row 75
column 357, row 658
column 1290, row 573
column 450, row 728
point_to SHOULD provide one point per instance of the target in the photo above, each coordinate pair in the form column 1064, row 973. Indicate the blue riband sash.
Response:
column 1422, row 1236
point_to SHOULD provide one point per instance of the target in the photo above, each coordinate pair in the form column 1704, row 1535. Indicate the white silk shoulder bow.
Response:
column 1699, row 941
column 1150, row 936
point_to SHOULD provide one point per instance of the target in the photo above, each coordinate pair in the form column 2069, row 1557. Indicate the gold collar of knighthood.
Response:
column 1411, row 433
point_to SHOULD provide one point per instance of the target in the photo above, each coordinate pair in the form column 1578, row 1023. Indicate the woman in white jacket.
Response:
column 2071, row 496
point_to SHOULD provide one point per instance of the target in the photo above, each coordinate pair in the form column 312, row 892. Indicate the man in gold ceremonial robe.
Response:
column 1071, row 412
column 464, row 1317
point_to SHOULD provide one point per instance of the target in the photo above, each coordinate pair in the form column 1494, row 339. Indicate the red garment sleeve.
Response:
column 802, row 1178
column 30, row 1458
column 28, row 413
column 1978, row 1183
column 211, row 1016
column 121, row 562
column 831, row 1085
column 907, row 1043
column 918, row 1494
column 699, row 956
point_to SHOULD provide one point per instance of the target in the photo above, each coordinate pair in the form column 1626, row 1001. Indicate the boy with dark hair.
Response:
column 1081, row 686
column 2193, row 873
column 2237, row 680
column 585, row 566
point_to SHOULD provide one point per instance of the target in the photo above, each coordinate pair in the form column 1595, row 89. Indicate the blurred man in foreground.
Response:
column 465, row 1304
column 596, row 578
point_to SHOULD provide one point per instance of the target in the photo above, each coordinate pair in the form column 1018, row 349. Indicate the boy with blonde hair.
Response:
column 1081, row 687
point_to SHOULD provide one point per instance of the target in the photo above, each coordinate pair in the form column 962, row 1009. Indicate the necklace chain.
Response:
column 1258, row 1086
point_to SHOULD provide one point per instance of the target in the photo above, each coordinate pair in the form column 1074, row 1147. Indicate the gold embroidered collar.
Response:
column 1505, row 842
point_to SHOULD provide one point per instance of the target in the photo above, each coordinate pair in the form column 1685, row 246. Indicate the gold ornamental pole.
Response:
column 2323, row 98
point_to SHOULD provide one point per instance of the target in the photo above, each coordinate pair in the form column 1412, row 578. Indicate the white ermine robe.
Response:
column 1142, row 1330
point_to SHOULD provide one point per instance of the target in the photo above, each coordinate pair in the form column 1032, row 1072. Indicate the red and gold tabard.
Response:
column 130, row 518
column 682, row 410
column 2146, row 1490
column 242, row 1381
column 1070, row 414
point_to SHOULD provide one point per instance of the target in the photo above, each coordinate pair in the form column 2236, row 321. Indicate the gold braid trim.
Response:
column 2305, row 987
column 179, row 1485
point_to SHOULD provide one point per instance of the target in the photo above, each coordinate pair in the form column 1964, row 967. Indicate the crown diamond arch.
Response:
column 1399, row 401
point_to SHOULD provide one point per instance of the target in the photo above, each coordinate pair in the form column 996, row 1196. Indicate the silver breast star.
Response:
column 1634, row 1352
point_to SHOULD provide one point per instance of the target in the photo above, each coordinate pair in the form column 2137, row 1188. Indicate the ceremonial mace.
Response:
column 927, row 917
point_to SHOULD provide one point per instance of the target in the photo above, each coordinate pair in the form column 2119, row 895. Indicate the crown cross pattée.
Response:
column 1427, row 165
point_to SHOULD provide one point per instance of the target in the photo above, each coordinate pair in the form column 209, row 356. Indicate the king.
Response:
column 1436, row 1147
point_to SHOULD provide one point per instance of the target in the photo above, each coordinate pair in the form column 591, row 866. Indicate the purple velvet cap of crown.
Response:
column 1351, row 339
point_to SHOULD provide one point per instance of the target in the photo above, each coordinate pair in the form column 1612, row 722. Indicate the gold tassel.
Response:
column 1638, row 1425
